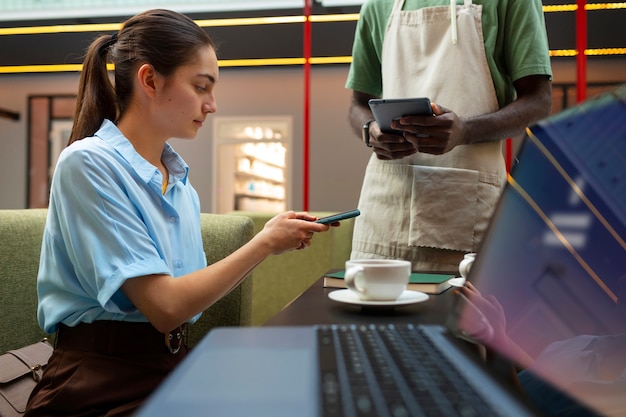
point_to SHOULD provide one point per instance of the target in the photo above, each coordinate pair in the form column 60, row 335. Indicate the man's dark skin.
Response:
column 447, row 130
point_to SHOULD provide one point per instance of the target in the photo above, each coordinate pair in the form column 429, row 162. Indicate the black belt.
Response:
column 119, row 337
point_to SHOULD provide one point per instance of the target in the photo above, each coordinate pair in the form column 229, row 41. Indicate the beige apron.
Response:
column 431, row 209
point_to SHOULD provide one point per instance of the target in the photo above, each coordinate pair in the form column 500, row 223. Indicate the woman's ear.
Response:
column 146, row 76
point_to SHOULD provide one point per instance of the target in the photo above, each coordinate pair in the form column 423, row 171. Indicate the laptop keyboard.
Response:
column 389, row 370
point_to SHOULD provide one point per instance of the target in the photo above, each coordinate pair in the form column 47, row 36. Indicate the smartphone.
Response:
column 387, row 110
column 338, row 217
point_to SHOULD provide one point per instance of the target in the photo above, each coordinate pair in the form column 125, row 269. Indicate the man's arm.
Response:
column 359, row 111
column 533, row 102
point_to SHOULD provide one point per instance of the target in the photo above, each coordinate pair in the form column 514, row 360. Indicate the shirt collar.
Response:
column 176, row 166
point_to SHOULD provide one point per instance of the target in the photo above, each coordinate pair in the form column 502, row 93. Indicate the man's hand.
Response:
column 389, row 146
column 436, row 134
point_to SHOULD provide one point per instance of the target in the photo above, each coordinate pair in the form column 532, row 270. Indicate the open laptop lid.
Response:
column 554, row 259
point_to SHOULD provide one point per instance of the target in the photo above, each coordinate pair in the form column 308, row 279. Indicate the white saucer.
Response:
column 350, row 297
column 457, row 282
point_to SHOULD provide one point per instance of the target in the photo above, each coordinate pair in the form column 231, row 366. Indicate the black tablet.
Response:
column 388, row 109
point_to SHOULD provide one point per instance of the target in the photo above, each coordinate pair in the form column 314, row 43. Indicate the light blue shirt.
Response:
column 108, row 221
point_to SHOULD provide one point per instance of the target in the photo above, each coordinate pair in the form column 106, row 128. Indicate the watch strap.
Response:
column 366, row 133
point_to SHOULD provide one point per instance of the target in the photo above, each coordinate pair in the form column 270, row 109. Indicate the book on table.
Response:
column 430, row 283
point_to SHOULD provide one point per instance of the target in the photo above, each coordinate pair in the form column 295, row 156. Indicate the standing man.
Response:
column 429, row 190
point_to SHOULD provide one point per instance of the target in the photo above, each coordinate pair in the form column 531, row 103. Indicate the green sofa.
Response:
column 20, row 244
column 279, row 279
column 272, row 285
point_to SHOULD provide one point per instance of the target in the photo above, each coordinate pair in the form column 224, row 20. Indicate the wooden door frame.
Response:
column 43, row 111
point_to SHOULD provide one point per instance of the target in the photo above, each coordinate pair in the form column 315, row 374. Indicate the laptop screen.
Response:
column 550, row 275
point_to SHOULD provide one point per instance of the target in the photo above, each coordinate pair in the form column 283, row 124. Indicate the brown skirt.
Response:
column 102, row 369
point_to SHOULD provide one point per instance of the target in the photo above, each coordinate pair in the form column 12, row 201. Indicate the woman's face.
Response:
column 188, row 96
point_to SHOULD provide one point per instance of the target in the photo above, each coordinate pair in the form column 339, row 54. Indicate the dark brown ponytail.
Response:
column 96, row 96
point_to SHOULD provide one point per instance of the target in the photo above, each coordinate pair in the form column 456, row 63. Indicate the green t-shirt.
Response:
column 514, row 31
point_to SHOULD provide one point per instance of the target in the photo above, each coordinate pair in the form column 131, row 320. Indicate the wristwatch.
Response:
column 366, row 133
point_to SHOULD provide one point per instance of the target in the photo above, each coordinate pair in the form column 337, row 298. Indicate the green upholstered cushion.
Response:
column 222, row 235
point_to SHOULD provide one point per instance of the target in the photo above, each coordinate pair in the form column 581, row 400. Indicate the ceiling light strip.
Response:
column 346, row 17
column 331, row 60
column 589, row 6
column 17, row 69
column 38, row 30
column 605, row 6
column 250, row 21
column 261, row 62
column 588, row 52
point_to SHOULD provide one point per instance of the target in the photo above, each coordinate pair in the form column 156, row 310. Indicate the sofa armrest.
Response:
column 279, row 279
column 222, row 235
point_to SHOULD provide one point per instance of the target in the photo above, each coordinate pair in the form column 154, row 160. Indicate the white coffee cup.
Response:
column 377, row 279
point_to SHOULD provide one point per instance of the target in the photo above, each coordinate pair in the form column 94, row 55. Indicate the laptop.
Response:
column 553, row 267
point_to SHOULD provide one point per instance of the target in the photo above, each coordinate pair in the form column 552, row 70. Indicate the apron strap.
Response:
column 453, row 21
column 455, row 37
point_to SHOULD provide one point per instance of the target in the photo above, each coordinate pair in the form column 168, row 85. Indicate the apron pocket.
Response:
column 444, row 207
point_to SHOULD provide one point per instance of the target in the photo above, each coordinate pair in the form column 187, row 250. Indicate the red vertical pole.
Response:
column 508, row 160
column 581, row 47
column 307, row 102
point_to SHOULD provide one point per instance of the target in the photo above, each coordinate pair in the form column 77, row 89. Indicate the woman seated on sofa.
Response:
column 122, row 263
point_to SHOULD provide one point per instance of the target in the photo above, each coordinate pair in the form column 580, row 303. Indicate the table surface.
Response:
column 314, row 307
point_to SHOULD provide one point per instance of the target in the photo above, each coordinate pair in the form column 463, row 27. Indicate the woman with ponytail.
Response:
column 122, row 264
